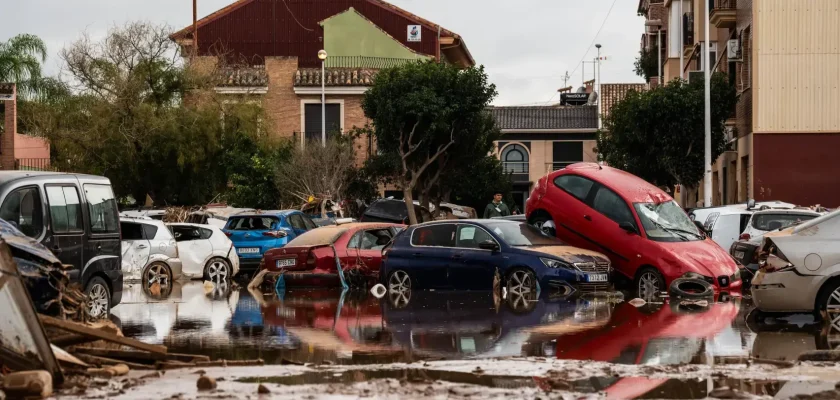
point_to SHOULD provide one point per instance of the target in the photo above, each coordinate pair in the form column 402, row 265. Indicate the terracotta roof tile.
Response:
column 336, row 77
column 612, row 93
column 546, row 117
column 243, row 76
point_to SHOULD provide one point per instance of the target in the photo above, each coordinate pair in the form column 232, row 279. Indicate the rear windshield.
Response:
column 252, row 223
column 317, row 237
column 771, row 222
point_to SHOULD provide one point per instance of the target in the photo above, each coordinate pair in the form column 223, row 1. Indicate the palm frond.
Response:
column 27, row 44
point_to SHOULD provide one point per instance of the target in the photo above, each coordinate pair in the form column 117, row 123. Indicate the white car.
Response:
column 149, row 253
column 206, row 252
column 801, row 269
column 725, row 226
column 772, row 220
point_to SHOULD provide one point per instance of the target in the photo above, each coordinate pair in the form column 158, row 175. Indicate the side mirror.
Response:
column 628, row 227
column 750, row 204
column 489, row 245
column 700, row 226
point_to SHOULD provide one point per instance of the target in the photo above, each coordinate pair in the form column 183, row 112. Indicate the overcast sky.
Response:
column 526, row 45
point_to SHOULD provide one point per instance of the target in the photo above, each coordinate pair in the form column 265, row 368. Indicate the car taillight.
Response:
column 275, row 234
column 744, row 236
column 228, row 234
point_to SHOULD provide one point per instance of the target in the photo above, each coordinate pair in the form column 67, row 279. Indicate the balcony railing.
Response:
column 367, row 62
column 724, row 4
column 519, row 167
column 34, row 164
column 556, row 166
column 723, row 13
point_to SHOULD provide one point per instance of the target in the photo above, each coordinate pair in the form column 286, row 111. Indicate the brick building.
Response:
column 271, row 51
column 18, row 151
column 782, row 57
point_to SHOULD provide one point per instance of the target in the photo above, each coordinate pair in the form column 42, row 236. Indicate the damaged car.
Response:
column 149, row 254
column 799, row 269
column 205, row 252
column 475, row 254
column 255, row 233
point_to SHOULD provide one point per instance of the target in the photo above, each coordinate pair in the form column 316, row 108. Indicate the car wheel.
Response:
column 649, row 283
column 521, row 282
column 157, row 280
column 99, row 298
column 544, row 223
column 828, row 304
column 217, row 270
column 399, row 288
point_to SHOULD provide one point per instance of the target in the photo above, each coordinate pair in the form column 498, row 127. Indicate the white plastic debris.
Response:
column 637, row 302
column 378, row 290
column 504, row 292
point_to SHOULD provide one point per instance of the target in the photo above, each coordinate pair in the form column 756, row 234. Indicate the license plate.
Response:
column 249, row 250
column 739, row 255
column 286, row 263
column 597, row 278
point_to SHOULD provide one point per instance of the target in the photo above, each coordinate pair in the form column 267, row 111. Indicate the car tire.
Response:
column 157, row 272
column 399, row 288
column 825, row 299
column 688, row 288
column 99, row 298
column 544, row 223
column 648, row 284
column 217, row 269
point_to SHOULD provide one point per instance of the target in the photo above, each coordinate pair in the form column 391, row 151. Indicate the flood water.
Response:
column 328, row 326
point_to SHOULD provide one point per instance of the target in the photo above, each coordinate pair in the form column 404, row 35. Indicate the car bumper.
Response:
column 234, row 262
column 249, row 264
column 560, row 279
column 784, row 291
column 308, row 279
column 177, row 268
column 116, row 278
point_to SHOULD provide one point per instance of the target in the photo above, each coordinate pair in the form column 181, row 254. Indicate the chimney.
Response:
column 8, row 94
column 590, row 86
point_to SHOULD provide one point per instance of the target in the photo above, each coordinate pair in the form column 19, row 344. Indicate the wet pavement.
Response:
column 331, row 328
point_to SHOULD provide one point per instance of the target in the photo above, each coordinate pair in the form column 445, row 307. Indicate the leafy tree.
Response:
column 659, row 134
column 646, row 63
column 20, row 62
column 421, row 113
column 475, row 186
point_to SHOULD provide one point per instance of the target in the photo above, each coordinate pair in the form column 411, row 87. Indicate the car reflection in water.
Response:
column 655, row 334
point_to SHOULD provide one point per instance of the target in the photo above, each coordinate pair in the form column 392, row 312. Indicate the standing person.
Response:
column 496, row 208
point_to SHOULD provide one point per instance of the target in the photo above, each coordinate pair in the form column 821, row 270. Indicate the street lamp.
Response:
column 322, row 55
column 598, row 46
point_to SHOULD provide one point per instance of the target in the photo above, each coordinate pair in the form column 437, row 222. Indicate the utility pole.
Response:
column 659, row 53
column 566, row 78
column 707, row 177
column 195, row 28
column 682, row 40
column 598, row 78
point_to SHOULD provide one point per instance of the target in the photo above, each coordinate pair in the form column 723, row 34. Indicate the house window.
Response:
column 312, row 120
column 712, row 56
column 515, row 159
column 566, row 153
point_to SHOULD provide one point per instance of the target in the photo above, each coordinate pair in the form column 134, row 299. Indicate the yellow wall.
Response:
column 796, row 76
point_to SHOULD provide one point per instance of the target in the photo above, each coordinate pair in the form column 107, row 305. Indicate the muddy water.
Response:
column 331, row 327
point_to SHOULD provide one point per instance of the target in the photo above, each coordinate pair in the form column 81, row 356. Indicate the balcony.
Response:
column 724, row 13
column 519, row 167
column 558, row 165
column 688, row 33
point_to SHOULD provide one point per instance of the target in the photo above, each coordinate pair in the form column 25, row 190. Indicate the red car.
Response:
column 645, row 233
column 309, row 260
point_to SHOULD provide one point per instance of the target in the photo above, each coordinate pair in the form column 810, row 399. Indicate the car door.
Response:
column 568, row 206
column 135, row 250
column 66, row 223
column 470, row 267
column 102, row 248
column 297, row 224
column 194, row 247
column 601, row 221
column 431, row 253
column 366, row 246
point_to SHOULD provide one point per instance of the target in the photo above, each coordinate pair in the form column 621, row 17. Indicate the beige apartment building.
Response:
column 783, row 56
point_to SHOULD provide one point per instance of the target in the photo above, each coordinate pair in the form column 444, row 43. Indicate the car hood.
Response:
column 18, row 240
column 568, row 254
column 704, row 257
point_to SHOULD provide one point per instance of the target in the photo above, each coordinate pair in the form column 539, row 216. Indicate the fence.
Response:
column 516, row 167
column 34, row 164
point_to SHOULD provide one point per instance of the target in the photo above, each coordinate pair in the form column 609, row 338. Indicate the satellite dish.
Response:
column 581, row 89
column 593, row 98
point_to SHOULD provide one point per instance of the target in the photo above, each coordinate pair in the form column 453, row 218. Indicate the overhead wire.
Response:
column 604, row 23
column 295, row 18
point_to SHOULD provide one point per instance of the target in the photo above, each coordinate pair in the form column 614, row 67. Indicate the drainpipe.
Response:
column 437, row 48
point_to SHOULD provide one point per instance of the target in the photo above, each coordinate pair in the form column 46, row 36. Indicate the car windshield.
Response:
column 667, row 222
column 772, row 222
column 522, row 234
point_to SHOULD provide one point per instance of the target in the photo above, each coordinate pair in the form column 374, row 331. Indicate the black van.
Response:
column 393, row 211
column 76, row 217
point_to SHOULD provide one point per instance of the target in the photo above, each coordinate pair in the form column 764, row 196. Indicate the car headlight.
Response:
column 552, row 263
column 736, row 276
column 693, row 275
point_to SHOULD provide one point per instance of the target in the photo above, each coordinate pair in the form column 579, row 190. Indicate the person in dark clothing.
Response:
column 496, row 208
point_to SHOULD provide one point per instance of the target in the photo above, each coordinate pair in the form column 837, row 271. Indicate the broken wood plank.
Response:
column 96, row 333
column 71, row 339
column 140, row 355
column 65, row 357
column 230, row 363
column 167, row 365
column 110, row 361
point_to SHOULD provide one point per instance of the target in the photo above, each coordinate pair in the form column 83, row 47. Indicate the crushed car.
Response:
column 149, row 254
column 798, row 269
column 310, row 259
column 393, row 211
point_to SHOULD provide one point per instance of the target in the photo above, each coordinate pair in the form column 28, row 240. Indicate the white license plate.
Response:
column 249, row 250
column 739, row 255
column 597, row 278
column 286, row 263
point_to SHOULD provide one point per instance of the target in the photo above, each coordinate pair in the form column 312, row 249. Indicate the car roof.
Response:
column 264, row 213
column 480, row 222
column 788, row 211
column 205, row 226
column 629, row 186
column 142, row 220
column 10, row 176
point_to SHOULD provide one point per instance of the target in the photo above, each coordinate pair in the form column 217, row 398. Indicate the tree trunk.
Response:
column 409, row 204
column 437, row 202
column 425, row 201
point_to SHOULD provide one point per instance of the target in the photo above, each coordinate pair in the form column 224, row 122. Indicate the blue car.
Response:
column 255, row 233
column 468, row 255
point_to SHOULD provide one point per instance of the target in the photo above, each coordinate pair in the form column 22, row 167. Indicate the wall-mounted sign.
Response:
column 414, row 33
column 574, row 99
